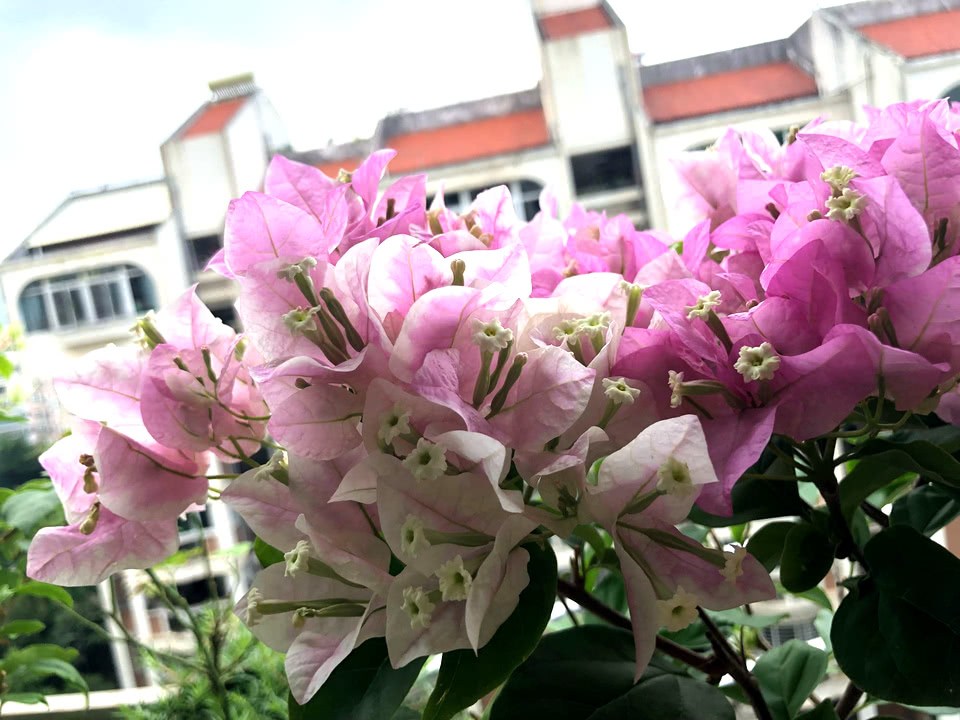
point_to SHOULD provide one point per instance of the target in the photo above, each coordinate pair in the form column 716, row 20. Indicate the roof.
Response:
column 469, row 140
column 731, row 90
column 212, row 118
column 103, row 212
column 918, row 36
column 575, row 22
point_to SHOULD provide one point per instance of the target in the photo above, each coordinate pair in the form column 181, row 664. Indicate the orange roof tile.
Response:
column 333, row 167
column 727, row 91
column 576, row 22
column 918, row 36
column 468, row 141
column 213, row 118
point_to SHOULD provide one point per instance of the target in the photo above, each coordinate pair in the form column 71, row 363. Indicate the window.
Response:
column 201, row 249
column 953, row 94
column 525, row 195
column 87, row 298
column 790, row 630
column 611, row 169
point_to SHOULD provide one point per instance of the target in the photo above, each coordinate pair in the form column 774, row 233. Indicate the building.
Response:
column 600, row 128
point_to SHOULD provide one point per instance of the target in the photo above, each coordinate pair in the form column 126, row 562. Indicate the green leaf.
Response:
column 870, row 474
column 6, row 366
column 927, row 508
column 34, row 653
column 47, row 667
column 737, row 616
column 35, row 588
column 788, row 674
column 815, row 595
column 932, row 461
column 363, row 687
column 823, row 711
column 592, row 537
column 466, row 677
column 266, row 554
column 807, row 557
column 897, row 633
column 571, row 674
column 766, row 545
column 668, row 696
column 18, row 628
column 823, row 622
column 27, row 698
column 755, row 499
column 28, row 509
column 588, row 672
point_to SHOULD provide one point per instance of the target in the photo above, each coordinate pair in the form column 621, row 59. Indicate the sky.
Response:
column 89, row 89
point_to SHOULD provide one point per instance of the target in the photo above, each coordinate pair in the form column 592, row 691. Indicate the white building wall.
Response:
column 202, row 181
column 584, row 90
column 247, row 150
column 931, row 78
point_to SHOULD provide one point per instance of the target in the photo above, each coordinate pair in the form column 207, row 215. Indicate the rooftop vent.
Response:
column 232, row 87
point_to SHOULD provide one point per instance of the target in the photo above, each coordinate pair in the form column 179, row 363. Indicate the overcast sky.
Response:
column 90, row 88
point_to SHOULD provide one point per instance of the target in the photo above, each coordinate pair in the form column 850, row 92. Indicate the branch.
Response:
column 589, row 603
column 848, row 701
column 736, row 667
column 875, row 514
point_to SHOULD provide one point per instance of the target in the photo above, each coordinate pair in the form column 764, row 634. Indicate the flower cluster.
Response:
column 449, row 388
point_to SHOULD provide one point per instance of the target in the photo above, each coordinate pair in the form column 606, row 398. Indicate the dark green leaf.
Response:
column 815, row 595
column 363, row 687
column 788, row 674
column 466, row 677
column 927, row 508
column 35, row 588
column 922, row 457
column 872, row 473
column 807, row 557
column 266, row 554
column 945, row 437
column 897, row 633
column 571, row 674
column 823, row 711
column 755, row 499
column 668, row 696
column 16, row 628
column 766, row 544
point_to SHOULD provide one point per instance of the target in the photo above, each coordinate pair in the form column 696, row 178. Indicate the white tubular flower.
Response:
column 678, row 612
column 595, row 323
column 428, row 461
column 733, row 564
column 675, row 381
column 290, row 272
column 757, row 363
column 673, row 478
column 252, row 615
column 296, row 559
column 567, row 331
column 492, row 337
column 455, row 579
column 847, row 206
column 838, row 177
column 394, row 424
column 412, row 537
column 269, row 469
column 417, row 606
column 299, row 321
column 704, row 305
column 616, row 389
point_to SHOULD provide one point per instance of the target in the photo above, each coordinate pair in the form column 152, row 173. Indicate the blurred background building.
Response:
column 599, row 129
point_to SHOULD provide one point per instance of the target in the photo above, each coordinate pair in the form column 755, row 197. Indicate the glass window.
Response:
column 604, row 170
column 87, row 298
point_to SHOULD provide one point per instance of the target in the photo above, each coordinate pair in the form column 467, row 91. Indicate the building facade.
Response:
column 599, row 129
